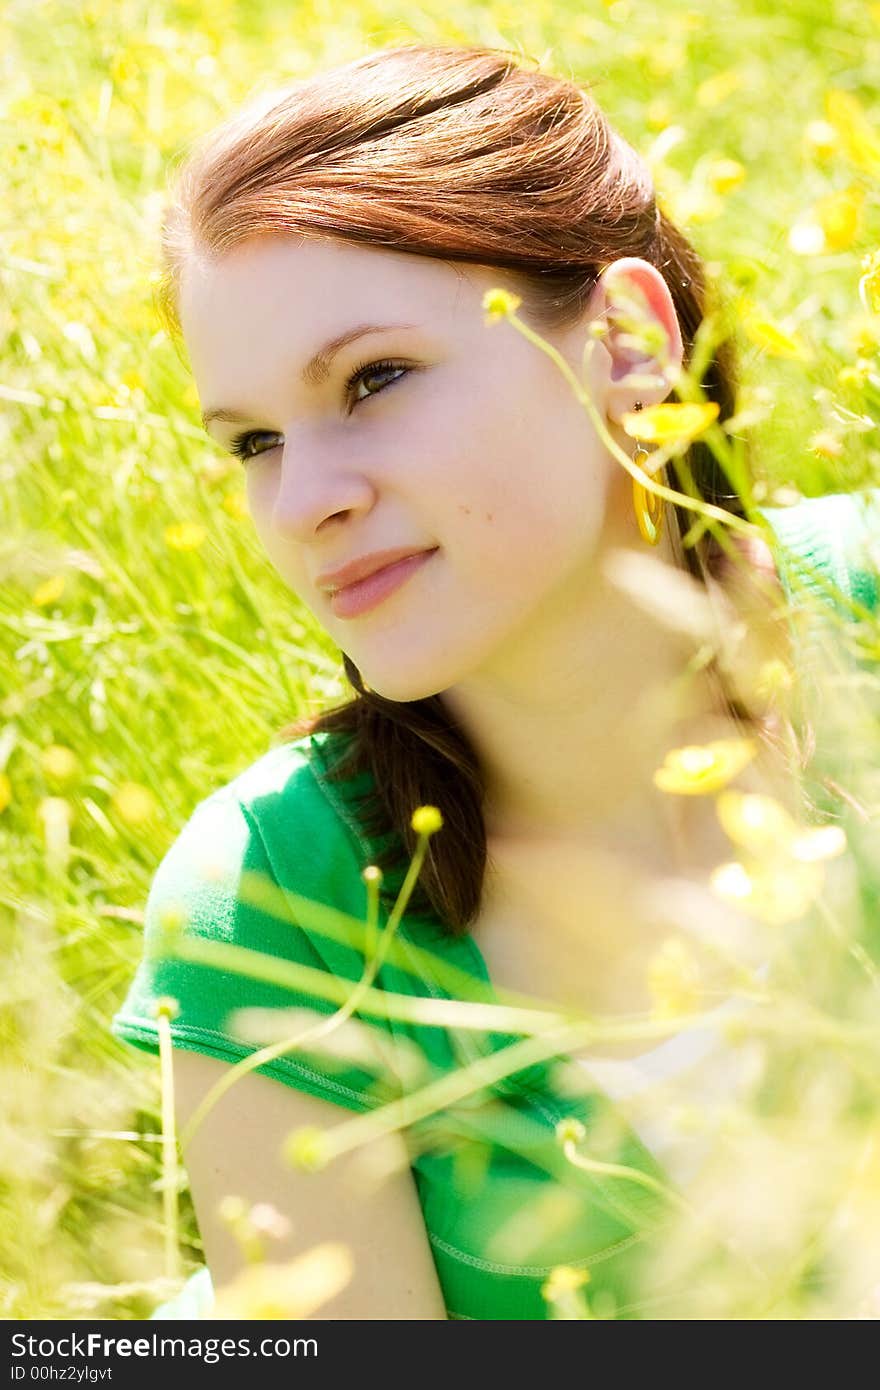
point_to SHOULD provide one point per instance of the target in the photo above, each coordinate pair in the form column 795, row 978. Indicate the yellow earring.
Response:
column 648, row 506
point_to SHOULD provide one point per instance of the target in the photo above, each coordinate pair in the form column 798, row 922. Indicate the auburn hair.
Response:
column 462, row 153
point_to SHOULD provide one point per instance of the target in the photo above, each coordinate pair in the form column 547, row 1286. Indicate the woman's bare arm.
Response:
column 355, row 1200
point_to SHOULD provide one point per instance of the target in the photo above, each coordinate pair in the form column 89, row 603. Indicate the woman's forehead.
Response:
column 289, row 298
column 315, row 266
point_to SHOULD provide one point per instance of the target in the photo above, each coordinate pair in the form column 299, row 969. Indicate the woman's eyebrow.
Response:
column 316, row 370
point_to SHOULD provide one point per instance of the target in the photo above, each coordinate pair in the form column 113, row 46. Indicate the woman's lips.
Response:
column 360, row 597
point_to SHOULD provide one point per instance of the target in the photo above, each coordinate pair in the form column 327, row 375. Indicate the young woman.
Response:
column 327, row 256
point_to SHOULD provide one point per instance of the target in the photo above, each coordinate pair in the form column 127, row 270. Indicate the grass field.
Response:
column 149, row 650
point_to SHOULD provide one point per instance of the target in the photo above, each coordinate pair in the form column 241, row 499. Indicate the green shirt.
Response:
column 501, row 1203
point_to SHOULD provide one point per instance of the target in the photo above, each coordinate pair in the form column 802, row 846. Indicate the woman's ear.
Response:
column 641, row 334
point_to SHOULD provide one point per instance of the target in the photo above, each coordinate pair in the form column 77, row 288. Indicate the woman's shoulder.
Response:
column 285, row 774
column 256, row 903
column 282, row 814
column 287, row 798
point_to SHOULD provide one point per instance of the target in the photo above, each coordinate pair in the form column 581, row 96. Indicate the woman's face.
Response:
column 478, row 448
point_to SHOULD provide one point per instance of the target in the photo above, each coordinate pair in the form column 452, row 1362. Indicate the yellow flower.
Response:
column 697, row 769
column 665, row 58
column 426, row 820
column 856, row 374
column 235, row 503
column 172, row 920
column 784, row 873
column 564, row 1279
column 124, row 66
column 839, row 216
column 186, row 535
column 5, row 791
column 48, row 591
column 726, row 174
column 134, row 804
column 775, row 340
column 166, row 1007
column 717, row 88
column 776, row 892
column 306, row 1148
column 765, row 828
column 658, row 113
column 671, row 421
column 570, row 1130
column 755, row 821
column 860, row 143
column 133, row 380
column 59, row 763
column 499, row 304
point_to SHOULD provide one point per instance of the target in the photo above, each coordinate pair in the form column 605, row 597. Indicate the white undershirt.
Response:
column 696, row 1069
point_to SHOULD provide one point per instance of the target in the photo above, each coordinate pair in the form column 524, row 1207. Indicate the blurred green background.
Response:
column 149, row 651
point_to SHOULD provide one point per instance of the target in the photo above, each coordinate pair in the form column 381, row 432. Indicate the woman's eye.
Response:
column 368, row 369
column 241, row 444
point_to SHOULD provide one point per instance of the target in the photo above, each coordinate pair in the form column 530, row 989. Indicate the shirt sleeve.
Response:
column 832, row 538
column 828, row 558
column 216, row 888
